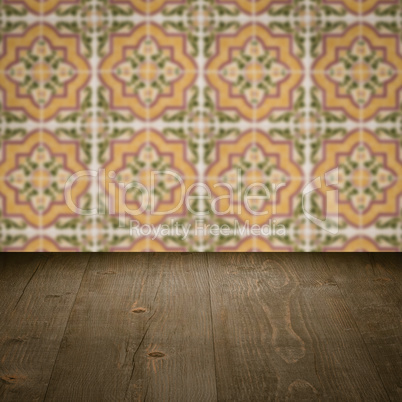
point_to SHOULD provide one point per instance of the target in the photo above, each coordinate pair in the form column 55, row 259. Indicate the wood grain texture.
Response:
column 96, row 353
column 200, row 327
column 134, row 330
column 16, row 271
column 342, row 362
column 31, row 333
column 373, row 295
column 175, row 360
column 282, row 320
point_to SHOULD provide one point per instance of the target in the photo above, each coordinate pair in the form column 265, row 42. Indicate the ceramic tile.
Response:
column 300, row 95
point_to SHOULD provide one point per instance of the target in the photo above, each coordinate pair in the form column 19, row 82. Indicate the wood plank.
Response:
column 139, row 330
column 342, row 362
column 30, row 338
column 371, row 286
column 175, row 361
column 95, row 358
column 244, row 369
column 16, row 271
column 167, row 326
column 282, row 330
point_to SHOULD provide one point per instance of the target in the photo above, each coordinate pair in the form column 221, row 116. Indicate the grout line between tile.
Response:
column 307, row 82
column 361, row 111
column 95, row 191
column 201, row 100
column 41, row 126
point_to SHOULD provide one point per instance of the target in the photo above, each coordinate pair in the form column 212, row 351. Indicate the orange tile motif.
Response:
column 43, row 72
column 144, row 75
column 361, row 7
column 137, row 161
column 201, row 125
column 255, row 158
column 41, row 6
column 369, row 185
column 253, row 6
column 35, row 171
column 254, row 72
column 359, row 72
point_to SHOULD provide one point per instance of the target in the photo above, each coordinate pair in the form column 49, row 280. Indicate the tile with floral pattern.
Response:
column 212, row 125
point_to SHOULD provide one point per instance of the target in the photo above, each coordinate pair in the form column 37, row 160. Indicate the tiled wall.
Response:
column 278, row 92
